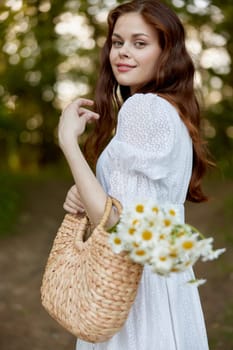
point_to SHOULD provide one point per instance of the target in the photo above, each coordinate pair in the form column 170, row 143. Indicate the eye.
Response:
column 139, row 44
column 117, row 43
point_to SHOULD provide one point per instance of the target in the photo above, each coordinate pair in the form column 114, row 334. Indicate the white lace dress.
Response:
column 151, row 156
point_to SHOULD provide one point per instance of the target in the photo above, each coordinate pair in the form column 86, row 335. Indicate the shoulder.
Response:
column 148, row 101
column 136, row 102
column 150, row 107
column 147, row 117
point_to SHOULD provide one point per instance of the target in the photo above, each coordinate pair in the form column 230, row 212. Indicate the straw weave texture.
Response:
column 86, row 287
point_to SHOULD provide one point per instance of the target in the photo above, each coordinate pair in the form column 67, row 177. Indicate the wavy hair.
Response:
column 173, row 80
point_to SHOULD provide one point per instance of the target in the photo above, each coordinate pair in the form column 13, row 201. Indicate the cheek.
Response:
column 147, row 57
column 111, row 57
column 152, row 60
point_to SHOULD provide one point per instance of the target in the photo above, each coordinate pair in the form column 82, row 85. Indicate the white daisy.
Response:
column 162, row 265
column 116, row 243
column 213, row 254
column 172, row 213
column 140, row 255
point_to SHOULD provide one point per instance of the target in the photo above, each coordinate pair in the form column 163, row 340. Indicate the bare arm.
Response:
column 72, row 124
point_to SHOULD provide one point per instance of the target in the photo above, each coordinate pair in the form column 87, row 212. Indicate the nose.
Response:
column 124, row 51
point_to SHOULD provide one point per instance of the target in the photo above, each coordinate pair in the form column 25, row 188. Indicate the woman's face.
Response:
column 135, row 51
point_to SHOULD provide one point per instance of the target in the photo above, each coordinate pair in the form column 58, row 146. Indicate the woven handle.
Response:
column 107, row 210
column 83, row 224
column 80, row 228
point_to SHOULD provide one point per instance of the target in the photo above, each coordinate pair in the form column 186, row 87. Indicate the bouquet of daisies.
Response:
column 154, row 235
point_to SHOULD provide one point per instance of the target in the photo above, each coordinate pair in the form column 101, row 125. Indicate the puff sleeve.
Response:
column 146, row 135
column 144, row 146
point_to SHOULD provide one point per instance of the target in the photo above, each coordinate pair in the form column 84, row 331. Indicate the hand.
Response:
column 74, row 119
column 73, row 202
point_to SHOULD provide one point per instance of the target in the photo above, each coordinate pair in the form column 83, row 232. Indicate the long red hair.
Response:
column 173, row 80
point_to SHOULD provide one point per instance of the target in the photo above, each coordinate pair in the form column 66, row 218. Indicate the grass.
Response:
column 12, row 189
column 10, row 201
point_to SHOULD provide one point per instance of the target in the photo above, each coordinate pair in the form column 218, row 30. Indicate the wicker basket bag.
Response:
column 86, row 287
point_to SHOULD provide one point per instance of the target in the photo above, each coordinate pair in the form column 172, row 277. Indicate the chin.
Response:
column 125, row 82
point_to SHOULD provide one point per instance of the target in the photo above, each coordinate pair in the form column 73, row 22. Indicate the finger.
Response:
column 73, row 196
column 84, row 111
column 74, row 202
column 83, row 102
column 73, row 193
column 90, row 116
column 69, row 209
column 74, row 190
column 72, row 209
column 71, row 204
column 76, row 104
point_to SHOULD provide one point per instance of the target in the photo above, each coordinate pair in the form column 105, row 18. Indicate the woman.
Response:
column 156, row 151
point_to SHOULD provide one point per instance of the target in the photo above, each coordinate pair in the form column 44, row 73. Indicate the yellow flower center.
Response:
column 187, row 245
column 167, row 222
column 172, row 212
column 136, row 245
column 131, row 230
column 140, row 208
column 147, row 235
column 135, row 222
column 163, row 258
column 155, row 209
column 117, row 240
column 162, row 236
column 173, row 254
column 140, row 252
column 174, row 269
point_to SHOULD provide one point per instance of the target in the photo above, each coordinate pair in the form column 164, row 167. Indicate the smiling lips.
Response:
column 123, row 67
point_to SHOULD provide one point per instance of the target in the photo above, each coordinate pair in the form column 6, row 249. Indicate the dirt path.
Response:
column 216, row 295
column 24, row 325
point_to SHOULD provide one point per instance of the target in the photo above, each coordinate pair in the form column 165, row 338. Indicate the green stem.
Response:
column 197, row 231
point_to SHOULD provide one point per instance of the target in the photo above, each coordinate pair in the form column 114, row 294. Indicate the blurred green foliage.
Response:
column 50, row 55
column 11, row 197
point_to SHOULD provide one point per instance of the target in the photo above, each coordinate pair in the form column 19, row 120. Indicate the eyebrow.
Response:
column 134, row 35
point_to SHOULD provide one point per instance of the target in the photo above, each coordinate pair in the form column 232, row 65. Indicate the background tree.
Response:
column 50, row 54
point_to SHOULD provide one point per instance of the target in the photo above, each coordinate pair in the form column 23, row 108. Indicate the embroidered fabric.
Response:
column 151, row 155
